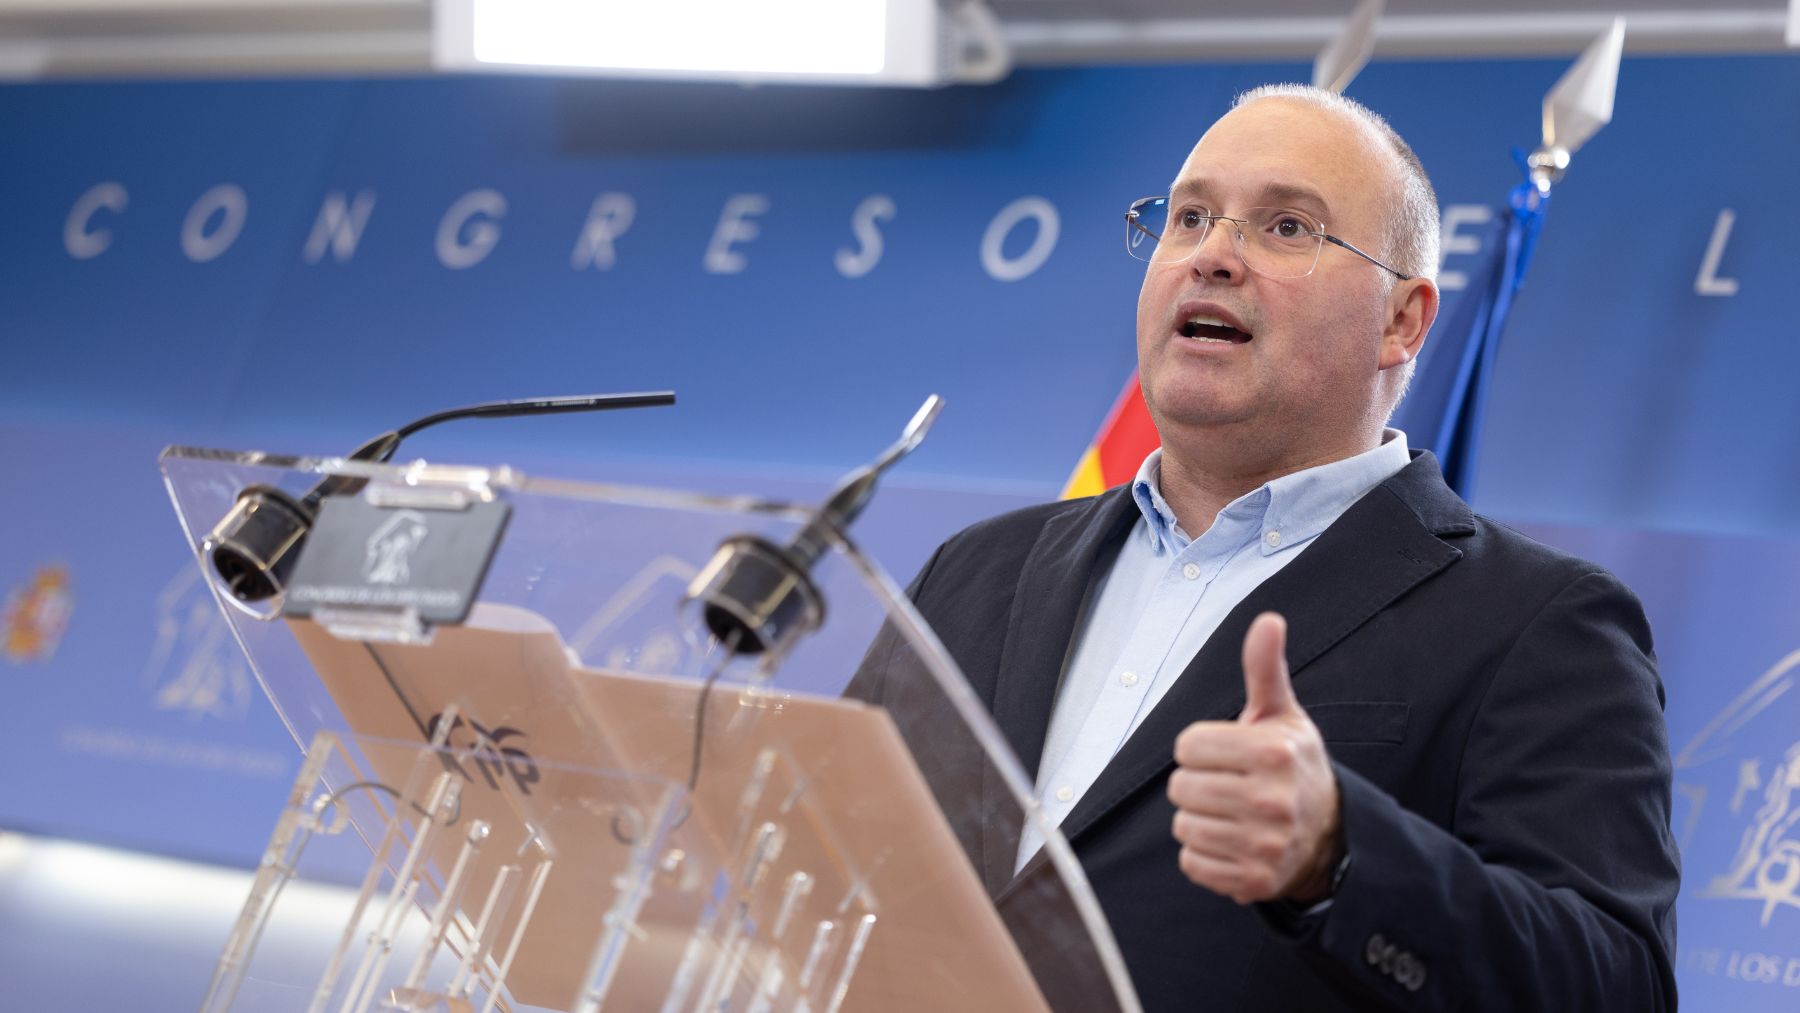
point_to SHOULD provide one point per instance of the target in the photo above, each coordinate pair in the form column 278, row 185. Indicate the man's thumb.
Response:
column 1267, row 691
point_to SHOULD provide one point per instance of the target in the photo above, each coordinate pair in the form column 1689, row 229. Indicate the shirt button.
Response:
column 1127, row 678
column 1272, row 539
column 1065, row 793
column 1191, row 571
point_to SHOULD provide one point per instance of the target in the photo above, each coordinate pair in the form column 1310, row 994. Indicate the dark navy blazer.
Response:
column 1494, row 716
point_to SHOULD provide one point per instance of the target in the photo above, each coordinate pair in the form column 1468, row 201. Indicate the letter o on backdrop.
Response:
column 226, row 200
column 996, row 263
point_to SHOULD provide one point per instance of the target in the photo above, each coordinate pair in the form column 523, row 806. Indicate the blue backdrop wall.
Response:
column 295, row 266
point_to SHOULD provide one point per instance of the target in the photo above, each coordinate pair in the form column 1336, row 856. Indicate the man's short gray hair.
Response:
column 1413, row 231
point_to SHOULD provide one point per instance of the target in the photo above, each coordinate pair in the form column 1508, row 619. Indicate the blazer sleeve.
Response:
column 1555, row 887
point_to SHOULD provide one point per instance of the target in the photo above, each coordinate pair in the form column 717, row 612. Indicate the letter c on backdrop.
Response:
column 82, row 242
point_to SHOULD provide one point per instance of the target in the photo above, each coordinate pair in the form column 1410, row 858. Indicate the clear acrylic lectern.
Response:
column 591, row 792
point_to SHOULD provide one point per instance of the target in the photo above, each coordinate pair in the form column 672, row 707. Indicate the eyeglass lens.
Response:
column 1274, row 242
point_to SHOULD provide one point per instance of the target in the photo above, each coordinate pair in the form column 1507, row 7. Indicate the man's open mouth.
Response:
column 1208, row 328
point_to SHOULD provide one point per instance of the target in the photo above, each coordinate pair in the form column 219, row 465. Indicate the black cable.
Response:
column 728, row 650
column 537, row 406
column 331, row 800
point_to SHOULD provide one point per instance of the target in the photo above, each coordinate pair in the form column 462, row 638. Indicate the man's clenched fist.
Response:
column 1256, row 801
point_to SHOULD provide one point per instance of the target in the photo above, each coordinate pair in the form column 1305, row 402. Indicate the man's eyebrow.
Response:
column 1290, row 193
column 1272, row 193
column 1187, row 188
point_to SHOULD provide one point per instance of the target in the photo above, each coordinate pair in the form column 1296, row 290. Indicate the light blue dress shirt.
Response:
column 1166, row 593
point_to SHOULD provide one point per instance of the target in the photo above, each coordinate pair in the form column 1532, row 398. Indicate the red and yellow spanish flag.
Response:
column 1125, row 439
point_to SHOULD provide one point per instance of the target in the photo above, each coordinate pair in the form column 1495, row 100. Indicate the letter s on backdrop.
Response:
column 874, row 208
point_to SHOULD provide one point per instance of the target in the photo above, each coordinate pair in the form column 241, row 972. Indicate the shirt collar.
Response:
column 1294, row 507
column 1146, row 492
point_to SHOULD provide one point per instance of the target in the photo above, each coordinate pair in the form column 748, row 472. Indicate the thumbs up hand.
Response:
column 1256, row 800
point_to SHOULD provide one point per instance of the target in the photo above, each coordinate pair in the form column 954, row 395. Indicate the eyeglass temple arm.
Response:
column 1335, row 241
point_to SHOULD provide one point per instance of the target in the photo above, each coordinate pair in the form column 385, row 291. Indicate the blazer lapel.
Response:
column 1385, row 544
column 1046, row 607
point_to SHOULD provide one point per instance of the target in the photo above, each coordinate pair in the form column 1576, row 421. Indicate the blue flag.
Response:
column 1442, row 411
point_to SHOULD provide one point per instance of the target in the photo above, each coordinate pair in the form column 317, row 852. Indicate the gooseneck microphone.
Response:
column 758, row 597
column 253, row 547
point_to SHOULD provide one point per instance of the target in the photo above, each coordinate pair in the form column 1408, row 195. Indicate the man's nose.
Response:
column 1219, row 254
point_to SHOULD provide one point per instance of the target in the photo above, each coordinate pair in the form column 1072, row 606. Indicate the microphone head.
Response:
column 253, row 548
column 756, row 598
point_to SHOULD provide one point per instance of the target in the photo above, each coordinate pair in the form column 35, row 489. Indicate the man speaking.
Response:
column 1321, row 737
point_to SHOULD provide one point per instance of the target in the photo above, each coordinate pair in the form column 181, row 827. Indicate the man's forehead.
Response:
column 1282, row 151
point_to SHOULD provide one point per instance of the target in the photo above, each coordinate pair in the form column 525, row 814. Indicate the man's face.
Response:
column 1307, row 374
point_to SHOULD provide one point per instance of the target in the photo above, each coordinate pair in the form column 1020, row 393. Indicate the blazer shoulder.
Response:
column 1535, row 574
column 1420, row 489
column 1506, row 544
column 1505, row 569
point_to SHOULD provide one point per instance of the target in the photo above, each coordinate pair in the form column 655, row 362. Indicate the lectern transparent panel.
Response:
column 653, row 684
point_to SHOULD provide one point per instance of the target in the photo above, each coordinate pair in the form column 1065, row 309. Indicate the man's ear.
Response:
column 1411, row 307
